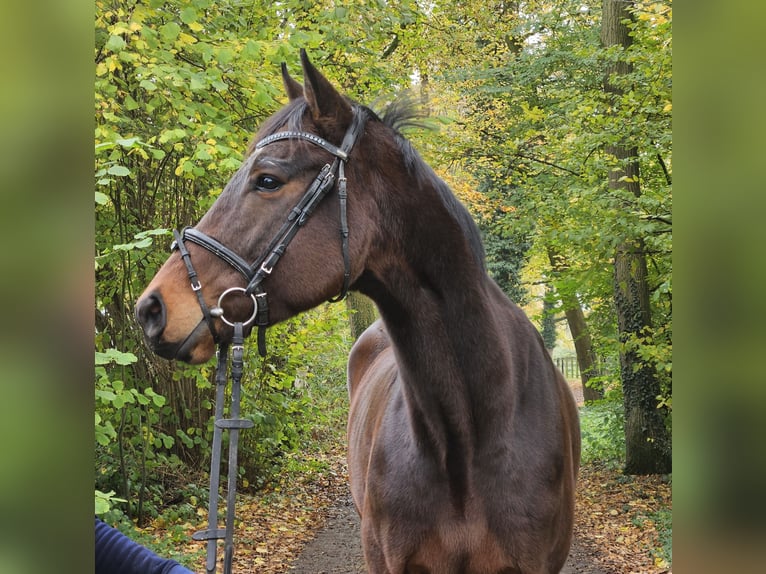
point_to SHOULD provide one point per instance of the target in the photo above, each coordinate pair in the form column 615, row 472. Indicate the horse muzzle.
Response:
column 151, row 314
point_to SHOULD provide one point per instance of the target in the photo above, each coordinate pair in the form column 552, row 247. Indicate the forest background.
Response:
column 551, row 121
column 47, row 152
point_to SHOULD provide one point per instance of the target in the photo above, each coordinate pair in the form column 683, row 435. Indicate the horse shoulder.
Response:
column 370, row 344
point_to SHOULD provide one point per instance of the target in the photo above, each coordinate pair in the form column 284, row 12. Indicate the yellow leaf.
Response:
column 185, row 38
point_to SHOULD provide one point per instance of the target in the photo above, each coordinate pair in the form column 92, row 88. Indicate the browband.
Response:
column 313, row 138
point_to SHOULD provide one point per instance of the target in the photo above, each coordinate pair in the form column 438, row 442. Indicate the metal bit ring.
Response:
column 218, row 310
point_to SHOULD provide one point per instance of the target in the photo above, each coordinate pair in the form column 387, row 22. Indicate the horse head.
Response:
column 224, row 269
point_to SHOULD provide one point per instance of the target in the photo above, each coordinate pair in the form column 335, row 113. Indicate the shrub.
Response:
column 602, row 425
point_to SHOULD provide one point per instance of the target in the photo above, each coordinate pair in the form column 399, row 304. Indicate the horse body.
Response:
column 463, row 437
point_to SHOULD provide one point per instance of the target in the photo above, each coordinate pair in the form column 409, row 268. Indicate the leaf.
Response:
column 130, row 103
column 158, row 400
column 104, row 499
column 106, row 396
column 115, row 43
column 118, row 170
column 151, row 232
column 140, row 244
column 172, row 135
column 196, row 83
column 185, row 38
column 170, row 31
column 101, row 506
column 189, row 15
column 127, row 142
column 225, row 56
column 101, row 198
column 115, row 356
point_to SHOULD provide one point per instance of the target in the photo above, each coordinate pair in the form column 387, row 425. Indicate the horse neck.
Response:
column 440, row 309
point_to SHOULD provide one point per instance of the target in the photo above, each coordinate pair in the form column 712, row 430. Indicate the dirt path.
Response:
column 337, row 548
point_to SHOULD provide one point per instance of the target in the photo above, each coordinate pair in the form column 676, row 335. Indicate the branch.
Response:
column 668, row 179
column 530, row 158
column 183, row 57
column 659, row 218
column 391, row 47
column 665, row 170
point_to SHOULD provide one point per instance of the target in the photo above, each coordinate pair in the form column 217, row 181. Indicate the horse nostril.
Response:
column 150, row 314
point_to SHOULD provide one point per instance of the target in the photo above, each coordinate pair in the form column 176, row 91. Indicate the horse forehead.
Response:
column 240, row 176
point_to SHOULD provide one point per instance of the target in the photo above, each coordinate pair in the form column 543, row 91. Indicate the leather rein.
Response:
column 255, row 274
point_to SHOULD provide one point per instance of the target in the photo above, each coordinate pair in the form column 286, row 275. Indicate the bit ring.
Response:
column 218, row 310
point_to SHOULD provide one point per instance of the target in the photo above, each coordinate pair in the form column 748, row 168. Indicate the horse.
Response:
column 463, row 437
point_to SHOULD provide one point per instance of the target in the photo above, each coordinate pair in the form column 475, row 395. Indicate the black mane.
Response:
column 403, row 113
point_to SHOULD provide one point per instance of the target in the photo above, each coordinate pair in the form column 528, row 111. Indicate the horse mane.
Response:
column 402, row 113
column 406, row 112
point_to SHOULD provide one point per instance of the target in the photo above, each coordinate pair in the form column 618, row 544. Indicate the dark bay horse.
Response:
column 463, row 437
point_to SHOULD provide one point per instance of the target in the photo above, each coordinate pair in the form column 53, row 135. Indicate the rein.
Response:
column 255, row 274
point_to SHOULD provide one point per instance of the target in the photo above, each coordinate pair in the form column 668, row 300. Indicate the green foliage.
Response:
column 536, row 120
column 166, row 541
column 548, row 330
column 297, row 393
column 603, row 433
column 663, row 521
column 130, row 441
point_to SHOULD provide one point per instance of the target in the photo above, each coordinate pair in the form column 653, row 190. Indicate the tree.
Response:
column 362, row 313
column 587, row 360
column 548, row 330
column 536, row 114
column 647, row 440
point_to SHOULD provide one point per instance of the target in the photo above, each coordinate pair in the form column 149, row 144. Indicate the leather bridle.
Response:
column 256, row 272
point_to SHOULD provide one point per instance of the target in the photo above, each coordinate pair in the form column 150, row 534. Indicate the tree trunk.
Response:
column 548, row 330
column 647, row 440
column 363, row 313
column 587, row 361
column 586, row 356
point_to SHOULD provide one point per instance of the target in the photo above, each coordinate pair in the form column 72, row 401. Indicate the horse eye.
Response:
column 267, row 183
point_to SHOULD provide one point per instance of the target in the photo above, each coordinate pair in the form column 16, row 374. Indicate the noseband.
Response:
column 256, row 272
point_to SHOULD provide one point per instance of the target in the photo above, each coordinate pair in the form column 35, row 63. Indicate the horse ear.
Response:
column 324, row 101
column 294, row 89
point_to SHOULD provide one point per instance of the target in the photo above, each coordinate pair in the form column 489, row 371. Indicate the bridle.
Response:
column 255, row 274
